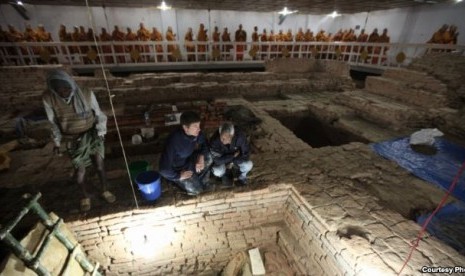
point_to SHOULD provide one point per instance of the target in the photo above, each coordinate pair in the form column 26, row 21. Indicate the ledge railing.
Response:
column 150, row 53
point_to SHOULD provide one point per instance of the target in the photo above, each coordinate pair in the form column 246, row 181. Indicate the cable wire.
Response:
column 428, row 220
column 111, row 103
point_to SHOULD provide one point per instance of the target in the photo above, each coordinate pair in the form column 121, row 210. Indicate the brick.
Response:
column 221, row 201
column 373, row 263
column 215, row 217
column 91, row 241
column 243, row 203
column 407, row 230
column 221, row 209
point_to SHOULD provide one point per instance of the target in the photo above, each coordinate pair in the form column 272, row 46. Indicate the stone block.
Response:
column 373, row 264
column 406, row 230
column 383, row 111
column 434, row 247
column 396, row 90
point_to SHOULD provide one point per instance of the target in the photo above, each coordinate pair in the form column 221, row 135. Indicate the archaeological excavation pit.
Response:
column 333, row 208
column 205, row 237
column 314, row 131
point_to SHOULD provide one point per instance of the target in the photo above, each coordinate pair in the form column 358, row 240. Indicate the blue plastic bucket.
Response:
column 149, row 185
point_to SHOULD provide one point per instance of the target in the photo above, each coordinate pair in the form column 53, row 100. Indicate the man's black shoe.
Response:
column 207, row 187
column 241, row 182
column 226, row 181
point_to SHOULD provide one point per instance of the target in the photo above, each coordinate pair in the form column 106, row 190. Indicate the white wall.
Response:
column 413, row 25
column 193, row 19
column 293, row 22
column 427, row 18
column 124, row 18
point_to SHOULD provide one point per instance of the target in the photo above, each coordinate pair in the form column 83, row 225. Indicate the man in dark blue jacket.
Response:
column 229, row 147
column 185, row 159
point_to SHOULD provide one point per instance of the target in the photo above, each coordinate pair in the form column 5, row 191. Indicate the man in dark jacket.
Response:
column 229, row 148
column 185, row 159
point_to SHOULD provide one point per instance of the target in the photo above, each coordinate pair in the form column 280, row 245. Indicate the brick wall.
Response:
column 202, row 236
column 208, row 86
column 24, row 78
column 193, row 237
column 449, row 68
column 22, row 87
column 295, row 65
column 305, row 241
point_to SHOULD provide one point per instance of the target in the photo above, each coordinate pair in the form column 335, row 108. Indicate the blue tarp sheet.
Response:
column 448, row 225
column 439, row 169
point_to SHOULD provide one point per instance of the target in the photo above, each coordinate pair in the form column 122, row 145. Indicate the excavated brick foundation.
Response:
column 201, row 237
column 344, row 214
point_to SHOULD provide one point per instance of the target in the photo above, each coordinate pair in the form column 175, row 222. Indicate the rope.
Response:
column 428, row 220
column 111, row 104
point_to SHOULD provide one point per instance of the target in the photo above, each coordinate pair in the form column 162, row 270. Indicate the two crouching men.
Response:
column 187, row 157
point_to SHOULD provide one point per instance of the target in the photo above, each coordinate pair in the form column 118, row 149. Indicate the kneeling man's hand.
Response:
column 185, row 175
column 200, row 165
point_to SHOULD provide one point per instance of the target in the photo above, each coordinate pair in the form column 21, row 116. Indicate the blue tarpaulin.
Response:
column 448, row 225
column 439, row 169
